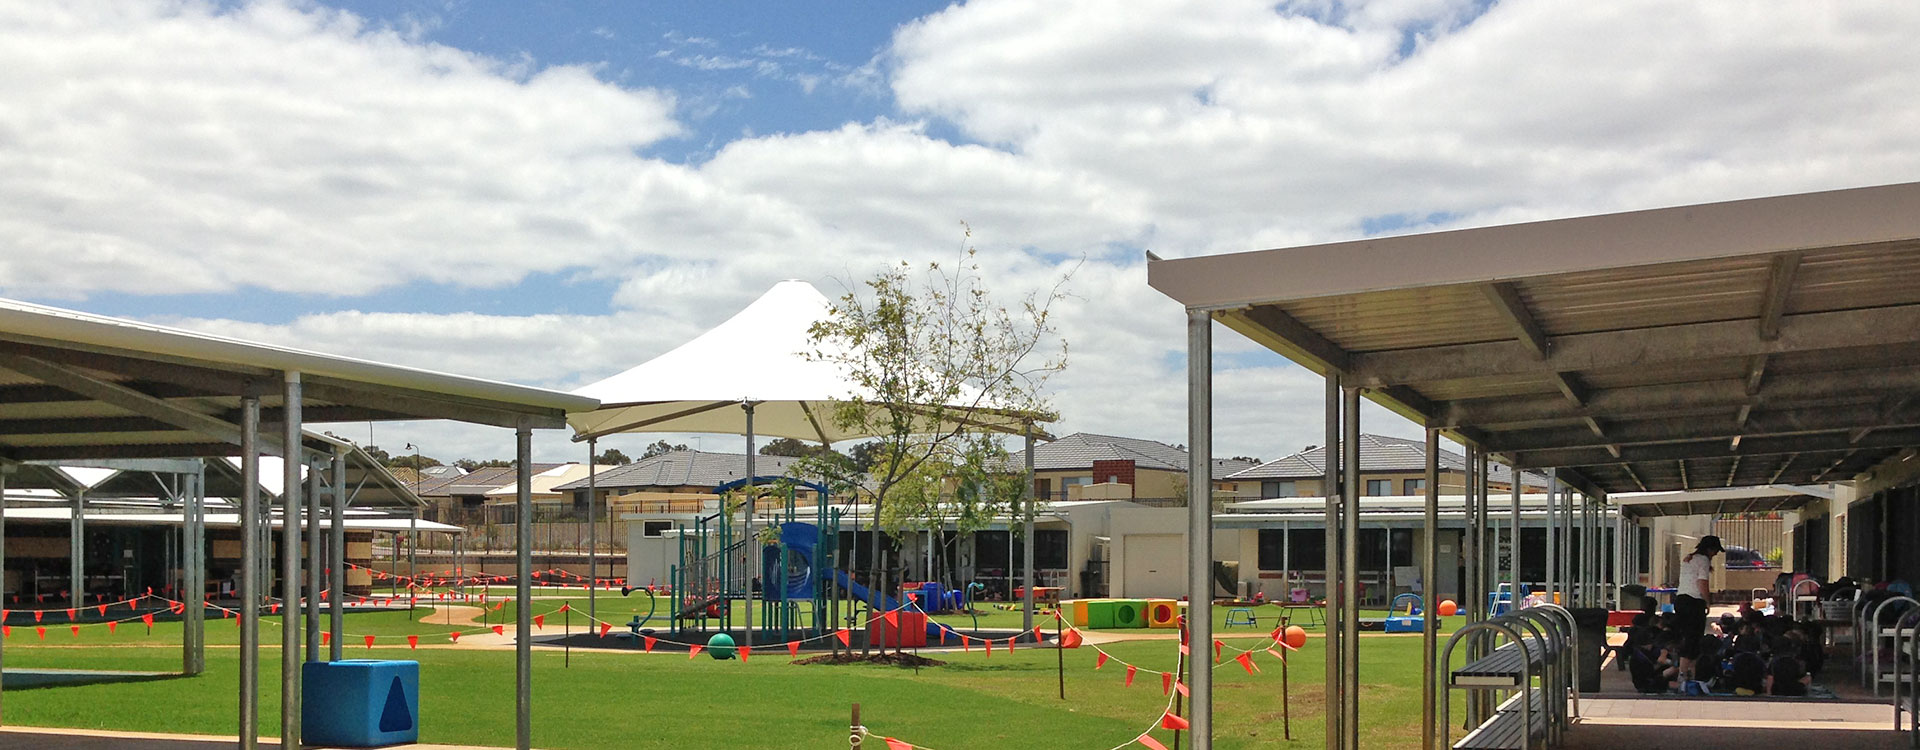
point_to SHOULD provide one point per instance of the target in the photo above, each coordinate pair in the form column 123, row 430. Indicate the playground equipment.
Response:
column 1411, row 621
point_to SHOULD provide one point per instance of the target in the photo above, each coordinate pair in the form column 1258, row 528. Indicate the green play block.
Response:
column 1129, row 613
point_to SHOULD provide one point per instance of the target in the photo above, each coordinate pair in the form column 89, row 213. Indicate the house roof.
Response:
column 1079, row 450
column 477, row 482
column 683, row 468
column 1378, row 453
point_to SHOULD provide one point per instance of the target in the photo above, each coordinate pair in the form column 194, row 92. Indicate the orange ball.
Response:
column 1448, row 608
column 1296, row 636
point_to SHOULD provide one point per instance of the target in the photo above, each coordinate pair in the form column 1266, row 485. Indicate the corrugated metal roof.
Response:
column 1378, row 454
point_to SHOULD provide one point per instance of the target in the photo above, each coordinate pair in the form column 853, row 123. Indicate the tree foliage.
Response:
column 612, row 457
column 470, row 464
column 661, row 448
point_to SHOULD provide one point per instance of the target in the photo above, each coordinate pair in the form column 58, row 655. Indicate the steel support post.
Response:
column 6, row 468
column 1336, row 680
column 77, row 551
column 523, row 586
column 193, row 617
column 1350, row 570
column 1513, row 548
column 1026, row 548
column 249, row 605
column 413, row 546
column 311, row 528
column 1553, row 531
column 593, row 529
column 1429, row 598
column 337, row 556
column 290, row 600
column 1619, row 559
column 748, row 544
column 1199, row 523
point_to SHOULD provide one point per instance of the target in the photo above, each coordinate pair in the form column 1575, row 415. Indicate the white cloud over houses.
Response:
column 159, row 147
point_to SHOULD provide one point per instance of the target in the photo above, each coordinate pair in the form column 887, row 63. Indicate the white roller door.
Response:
column 1156, row 566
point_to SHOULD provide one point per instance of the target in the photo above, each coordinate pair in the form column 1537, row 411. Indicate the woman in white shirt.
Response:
column 1690, row 602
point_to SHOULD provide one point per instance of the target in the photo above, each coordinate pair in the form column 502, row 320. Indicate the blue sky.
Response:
column 550, row 192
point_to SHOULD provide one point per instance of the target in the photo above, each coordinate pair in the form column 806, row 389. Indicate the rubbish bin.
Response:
column 1590, row 646
column 1634, row 596
column 360, row 703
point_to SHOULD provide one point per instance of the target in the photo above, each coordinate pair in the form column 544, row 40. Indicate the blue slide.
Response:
column 862, row 593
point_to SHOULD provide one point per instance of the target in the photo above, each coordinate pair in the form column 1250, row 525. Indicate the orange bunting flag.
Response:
column 539, row 621
column 413, row 641
column 147, row 619
column 989, row 642
column 1277, row 654
column 499, row 630
column 650, row 641
column 70, row 617
column 454, row 636
column 273, row 608
column 604, row 627
column 37, row 614
column 1070, row 639
column 76, row 630
column 326, row 637
column 361, row 602
column 40, row 631
column 1131, row 670
column 497, row 605
column 369, row 641
column 893, row 744
column 892, row 618
column 1010, row 642
column 966, row 644
column 179, row 608
column 113, row 627
column 745, row 651
column 1216, row 650
column 793, row 648
column 103, row 610
column 6, row 631
column 694, row 650
column 846, row 638
column 565, row 607
column 1100, row 661
column 1246, row 661
column 1166, row 682
column 1170, row 720
column 1150, row 742
column 1182, row 687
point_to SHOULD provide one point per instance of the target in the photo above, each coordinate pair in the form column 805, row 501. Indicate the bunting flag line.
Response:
column 694, row 650
column 793, row 648
column 1166, row 682
column 604, row 627
column 1173, row 721
column 1100, row 660
column 1246, row 660
column 1150, row 742
column 499, row 630
column 369, row 642
column 1131, row 669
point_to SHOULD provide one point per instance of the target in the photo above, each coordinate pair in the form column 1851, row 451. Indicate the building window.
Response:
column 1049, row 549
column 1273, row 547
column 1278, row 489
column 1379, row 487
column 655, row 528
column 1308, row 549
column 1414, row 487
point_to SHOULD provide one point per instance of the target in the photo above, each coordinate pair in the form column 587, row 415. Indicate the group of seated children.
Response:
column 1746, row 654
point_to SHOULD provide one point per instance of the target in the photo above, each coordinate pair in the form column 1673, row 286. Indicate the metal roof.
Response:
column 683, row 468
column 1378, row 453
column 1079, row 450
column 1752, row 342
column 1724, row 500
column 79, row 386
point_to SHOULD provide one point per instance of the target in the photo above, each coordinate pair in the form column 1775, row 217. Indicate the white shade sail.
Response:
column 759, row 355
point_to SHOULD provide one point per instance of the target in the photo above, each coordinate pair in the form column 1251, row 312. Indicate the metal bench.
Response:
column 1535, row 670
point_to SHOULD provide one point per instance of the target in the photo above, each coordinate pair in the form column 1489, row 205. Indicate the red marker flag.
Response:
column 1010, row 642
column 273, row 608
column 893, row 620
column 604, row 627
column 844, row 636
column 966, row 644
column 179, row 608
column 1281, row 655
column 650, row 641
column 1150, row 742
column 1246, row 660
column 70, row 617
column 1182, row 687
column 326, row 637
column 539, row 621
column 76, row 630
column 413, row 642
column 694, row 650
column 38, row 613
column 1166, row 682
column 1174, row 722
column 103, row 610
column 1216, row 651
column 499, row 630
column 454, row 636
column 893, row 744
column 369, row 641
column 793, row 648
column 148, row 620
column 113, row 627
column 565, row 607
column 6, row 631
column 40, row 631
column 1070, row 639
column 745, row 651
column 1100, row 661
column 989, row 642
column 1131, row 669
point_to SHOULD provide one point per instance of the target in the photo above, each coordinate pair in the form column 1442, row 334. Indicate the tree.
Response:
column 661, row 448
column 791, row 447
column 468, row 464
column 413, row 462
column 612, row 456
column 936, row 362
column 864, row 455
column 1248, row 459
column 379, row 455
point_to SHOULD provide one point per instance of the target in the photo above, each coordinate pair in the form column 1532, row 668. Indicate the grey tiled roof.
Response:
column 476, row 482
column 684, row 468
column 1081, row 449
column 1378, row 453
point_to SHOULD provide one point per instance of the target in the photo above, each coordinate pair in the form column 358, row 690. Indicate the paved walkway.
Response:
column 81, row 739
column 1693, row 724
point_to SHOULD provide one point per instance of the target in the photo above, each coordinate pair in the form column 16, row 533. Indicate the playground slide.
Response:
column 886, row 602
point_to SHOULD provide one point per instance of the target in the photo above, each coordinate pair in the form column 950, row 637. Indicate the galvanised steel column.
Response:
column 290, row 507
column 1429, row 601
column 6, row 467
column 193, row 616
column 1553, row 530
column 593, row 528
column 747, row 543
column 77, row 549
column 1026, row 550
column 250, row 572
column 1199, row 522
column 1350, row 570
column 314, row 564
column 1619, row 558
column 1569, row 567
column 523, row 586
column 1470, row 545
column 1336, row 676
column 1513, row 551
column 337, row 556
column 413, row 546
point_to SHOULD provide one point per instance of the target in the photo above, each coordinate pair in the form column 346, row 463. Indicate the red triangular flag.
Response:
column 1131, row 669
column 454, row 636
column 76, row 630
column 604, row 627
column 989, row 642
column 326, row 637
column 113, row 627
column 893, row 620
column 893, row 744
column 1070, row 639
column 499, row 630
column 1281, row 655
column 650, row 641
column 70, row 617
column 1100, row 661
column 565, row 607
column 745, row 651
column 966, row 644
column 1246, row 660
column 844, row 636
column 793, row 648
column 6, row 631
column 1166, row 682
column 40, row 631
column 413, row 641
column 694, row 650
column 1174, row 722
column 1182, row 687
column 273, row 608
column 1010, row 642
column 103, row 610
column 1150, row 742
column 539, row 621
column 148, row 620
column 1216, row 651
column 38, row 613
column 1184, row 651
column 369, row 641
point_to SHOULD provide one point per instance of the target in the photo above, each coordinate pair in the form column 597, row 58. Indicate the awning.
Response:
column 1720, row 501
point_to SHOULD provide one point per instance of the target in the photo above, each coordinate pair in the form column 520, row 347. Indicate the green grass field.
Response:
column 592, row 700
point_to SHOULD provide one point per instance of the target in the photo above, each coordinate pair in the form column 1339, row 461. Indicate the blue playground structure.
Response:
column 1412, row 621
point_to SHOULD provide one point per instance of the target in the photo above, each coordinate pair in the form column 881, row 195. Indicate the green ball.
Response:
column 720, row 646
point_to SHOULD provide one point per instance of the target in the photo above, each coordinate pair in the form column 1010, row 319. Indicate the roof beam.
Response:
column 126, row 398
column 75, row 425
column 1756, row 372
column 414, row 404
column 1775, row 479
column 1835, row 465
column 1505, row 296
column 1735, row 469
column 1667, row 399
column 1706, row 427
column 1716, row 448
column 1269, row 321
column 170, row 450
column 1635, row 476
column 1773, row 306
column 1685, row 482
column 1641, row 347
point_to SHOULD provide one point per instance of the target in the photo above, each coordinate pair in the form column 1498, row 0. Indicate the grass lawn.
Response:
column 666, row 701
